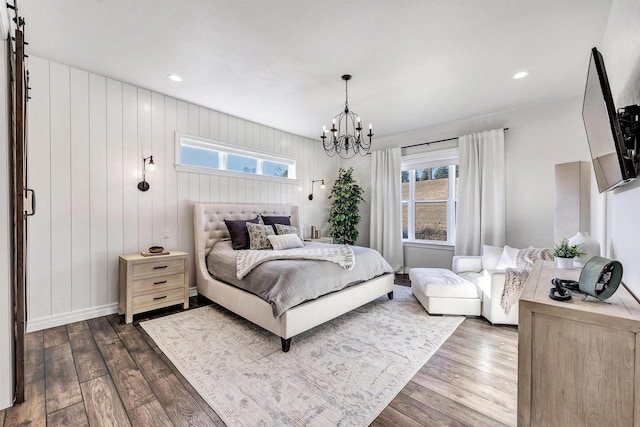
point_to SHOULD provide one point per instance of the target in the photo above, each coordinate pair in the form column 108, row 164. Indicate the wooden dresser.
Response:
column 148, row 283
column 578, row 361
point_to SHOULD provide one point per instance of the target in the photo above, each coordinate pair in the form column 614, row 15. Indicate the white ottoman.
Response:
column 441, row 291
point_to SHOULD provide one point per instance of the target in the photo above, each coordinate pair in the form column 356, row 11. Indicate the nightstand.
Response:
column 148, row 283
column 327, row 239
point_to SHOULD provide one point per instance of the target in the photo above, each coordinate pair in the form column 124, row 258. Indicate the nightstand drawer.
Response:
column 158, row 282
column 159, row 267
column 159, row 298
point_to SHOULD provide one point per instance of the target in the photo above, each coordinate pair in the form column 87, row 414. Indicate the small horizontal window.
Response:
column 207, row 156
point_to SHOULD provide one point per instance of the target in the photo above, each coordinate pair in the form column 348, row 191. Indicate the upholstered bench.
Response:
column 440, row 291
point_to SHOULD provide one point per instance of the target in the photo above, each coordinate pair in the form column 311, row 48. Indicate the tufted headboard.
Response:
column 209, row 226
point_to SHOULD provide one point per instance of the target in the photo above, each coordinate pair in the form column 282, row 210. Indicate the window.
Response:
column 429, row 194
column 200, row 155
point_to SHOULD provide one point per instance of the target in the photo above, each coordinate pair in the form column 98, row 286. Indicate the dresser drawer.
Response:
column 158, row 282
column 160, row 298
column 159, row 267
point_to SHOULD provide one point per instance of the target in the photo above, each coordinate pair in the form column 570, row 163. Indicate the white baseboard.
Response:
column 77, row 316
column 71, row 317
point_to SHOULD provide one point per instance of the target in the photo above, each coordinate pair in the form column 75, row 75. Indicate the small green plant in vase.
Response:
column 565, row 253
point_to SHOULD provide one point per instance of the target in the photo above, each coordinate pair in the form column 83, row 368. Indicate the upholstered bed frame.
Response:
column 209, row 227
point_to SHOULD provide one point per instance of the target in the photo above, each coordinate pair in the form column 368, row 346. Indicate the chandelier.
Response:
column 346, row 140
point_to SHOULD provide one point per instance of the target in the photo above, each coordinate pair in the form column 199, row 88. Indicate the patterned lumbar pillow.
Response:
column 286, row 241
column 285, row 229
column 258, row 236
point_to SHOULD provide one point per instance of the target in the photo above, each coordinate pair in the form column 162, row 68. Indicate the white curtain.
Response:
column 386, row 214
column 481, row 216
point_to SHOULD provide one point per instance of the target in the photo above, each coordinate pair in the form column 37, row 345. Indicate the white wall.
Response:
column 87, row 137
column 6, row 282
column 621, row 52
column 537, row 139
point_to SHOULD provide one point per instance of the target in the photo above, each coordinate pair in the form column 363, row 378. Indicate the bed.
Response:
column 209, row 228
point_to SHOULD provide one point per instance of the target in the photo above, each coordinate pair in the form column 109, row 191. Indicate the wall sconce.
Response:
column 144, row 185
column 322, row 187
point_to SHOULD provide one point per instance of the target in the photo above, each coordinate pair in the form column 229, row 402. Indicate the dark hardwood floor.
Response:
column 102, row 372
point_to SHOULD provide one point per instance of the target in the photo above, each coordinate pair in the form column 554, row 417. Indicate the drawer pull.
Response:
column 159, row 267
column 157, row 298
column 160, row 282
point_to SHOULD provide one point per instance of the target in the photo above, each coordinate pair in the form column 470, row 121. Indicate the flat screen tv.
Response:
column 612, row 164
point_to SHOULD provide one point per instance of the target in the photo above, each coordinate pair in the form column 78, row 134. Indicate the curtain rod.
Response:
column 435, row 142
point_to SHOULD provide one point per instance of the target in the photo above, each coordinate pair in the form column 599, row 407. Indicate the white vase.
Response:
column 588, row 245
column 564, row 262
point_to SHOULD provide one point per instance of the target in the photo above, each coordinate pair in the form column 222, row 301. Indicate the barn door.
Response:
column 23, row 198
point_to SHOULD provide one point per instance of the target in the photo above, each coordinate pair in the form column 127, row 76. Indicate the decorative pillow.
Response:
column 273, row 220
column 285, row 229
column 285, row 241
column 508, row 258
column 238, row 232
column 258, row 236
column 491, row 256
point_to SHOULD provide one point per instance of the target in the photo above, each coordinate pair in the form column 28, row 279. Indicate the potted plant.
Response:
column 344, row 215
column 565, row 253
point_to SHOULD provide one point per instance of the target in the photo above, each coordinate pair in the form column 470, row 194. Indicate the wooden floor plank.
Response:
column 87, row 357
column 480, row 404
column 32, row 412
column 420, row 412
column 131, row 385
column 72, row 416
column 457, row 411
column 391, row 417
column 150, row 414
column 150, row 364
column 2, row 412
column 77, row 326
column 102, row 331
column 484, row 353
column 178, row 403
column 34, row 357
column 55, row 336
column 103, row 406
column 507, row 373
column 63, row 388
column 461, row 372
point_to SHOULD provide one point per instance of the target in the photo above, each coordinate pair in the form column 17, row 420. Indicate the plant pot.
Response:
column 564, row 262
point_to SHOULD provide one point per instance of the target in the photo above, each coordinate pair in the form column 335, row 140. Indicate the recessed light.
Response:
column 520, row 75
column 174, row 77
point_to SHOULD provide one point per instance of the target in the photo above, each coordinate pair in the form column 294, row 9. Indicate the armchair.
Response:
column 483, row 272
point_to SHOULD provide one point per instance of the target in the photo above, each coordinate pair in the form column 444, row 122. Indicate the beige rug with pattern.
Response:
column 344, row 372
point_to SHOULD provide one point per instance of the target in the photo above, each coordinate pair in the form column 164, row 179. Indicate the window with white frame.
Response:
column 207, row 156
column 429, row 195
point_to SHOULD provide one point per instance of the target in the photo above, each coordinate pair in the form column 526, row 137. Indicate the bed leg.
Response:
column 286, row 344
column 390, row 295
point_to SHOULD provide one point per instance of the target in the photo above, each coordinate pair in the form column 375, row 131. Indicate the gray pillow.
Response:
column 258, row 236
column 285, row 229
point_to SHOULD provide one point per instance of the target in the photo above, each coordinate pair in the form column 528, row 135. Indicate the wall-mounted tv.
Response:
column 613, row 163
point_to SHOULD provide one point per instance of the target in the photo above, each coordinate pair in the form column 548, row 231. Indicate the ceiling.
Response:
column 278, row 62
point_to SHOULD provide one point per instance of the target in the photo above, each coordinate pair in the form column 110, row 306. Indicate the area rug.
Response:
column 344, row 372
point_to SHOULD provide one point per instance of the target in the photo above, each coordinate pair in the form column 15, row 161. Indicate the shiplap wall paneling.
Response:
column 115, row 169
column 157, row 150
column 60, row 114
column 98, row 189
column 170, row 175
column 39, row 178
column 145, row 198
column 80, row 207
column 131, row 164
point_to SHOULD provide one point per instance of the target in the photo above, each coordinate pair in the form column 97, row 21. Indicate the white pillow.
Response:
column 491, row 256
column 285, row 241
column 508, row 258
